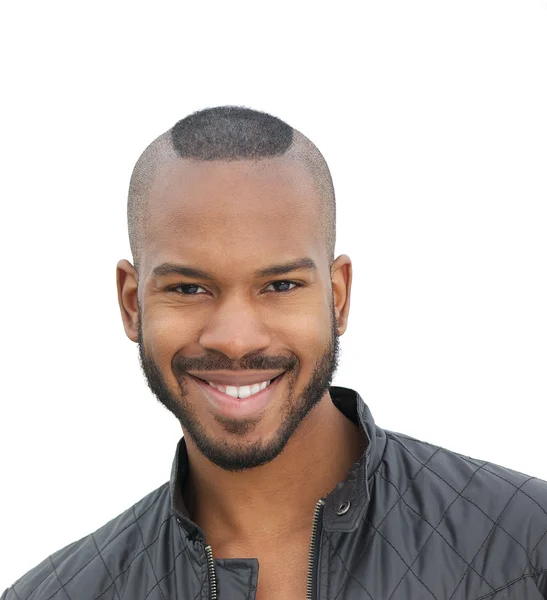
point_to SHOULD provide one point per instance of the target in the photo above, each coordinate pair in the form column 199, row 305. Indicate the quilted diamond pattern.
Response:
column 142, row 553
column 442, row 526
column 424, row 523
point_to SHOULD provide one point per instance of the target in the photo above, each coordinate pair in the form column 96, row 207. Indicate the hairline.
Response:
column 301, row 151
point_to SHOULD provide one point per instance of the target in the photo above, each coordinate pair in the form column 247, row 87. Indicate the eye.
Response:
column 282, row 285
column 186, row 289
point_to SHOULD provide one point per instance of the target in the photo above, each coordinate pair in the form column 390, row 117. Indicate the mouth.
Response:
column 239, row 401
column 242, row 391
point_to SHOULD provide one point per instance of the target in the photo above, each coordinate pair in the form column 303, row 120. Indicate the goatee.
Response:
column 236, row 455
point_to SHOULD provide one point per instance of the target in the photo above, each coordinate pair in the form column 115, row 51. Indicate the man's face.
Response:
column 230, row 220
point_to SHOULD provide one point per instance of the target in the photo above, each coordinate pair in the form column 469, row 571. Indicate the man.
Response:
column 282, row 486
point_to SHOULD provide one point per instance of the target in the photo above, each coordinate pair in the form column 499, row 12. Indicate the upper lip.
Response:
column 235, row 379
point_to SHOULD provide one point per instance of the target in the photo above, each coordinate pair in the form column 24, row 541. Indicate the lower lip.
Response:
column 238, row 408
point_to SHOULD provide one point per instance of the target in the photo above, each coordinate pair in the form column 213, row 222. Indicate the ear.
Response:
column 341, row 275
column 127, row 283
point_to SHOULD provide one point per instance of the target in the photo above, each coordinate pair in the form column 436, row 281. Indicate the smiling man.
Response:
column 282, row 485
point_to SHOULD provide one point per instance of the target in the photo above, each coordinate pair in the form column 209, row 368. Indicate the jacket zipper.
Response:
column 312, row 561
column 315, row 535
column 212, row 574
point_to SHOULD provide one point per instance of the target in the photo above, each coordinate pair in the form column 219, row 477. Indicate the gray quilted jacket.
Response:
column 410, row 521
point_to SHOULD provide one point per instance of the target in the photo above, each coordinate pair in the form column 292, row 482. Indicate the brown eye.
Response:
column 187, row 289
column 282, row 286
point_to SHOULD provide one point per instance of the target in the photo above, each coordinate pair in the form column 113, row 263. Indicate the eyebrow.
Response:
column 295, row 265
column 167, row 269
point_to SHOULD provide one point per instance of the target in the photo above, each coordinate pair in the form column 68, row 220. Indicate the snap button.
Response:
column 343, row 508
column 179, row 520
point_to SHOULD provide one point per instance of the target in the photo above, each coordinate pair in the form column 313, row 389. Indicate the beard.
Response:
column 237, row 455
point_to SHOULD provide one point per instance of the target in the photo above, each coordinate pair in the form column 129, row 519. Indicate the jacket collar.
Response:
column 355, row 489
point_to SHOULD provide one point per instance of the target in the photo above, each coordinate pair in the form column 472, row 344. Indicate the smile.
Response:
column 244, row 401
column 244, row 391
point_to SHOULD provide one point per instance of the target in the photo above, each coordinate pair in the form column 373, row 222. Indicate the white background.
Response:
column 433, row 118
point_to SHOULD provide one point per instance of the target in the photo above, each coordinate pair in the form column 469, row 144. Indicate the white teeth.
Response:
column 243, row 391
column 231, row 390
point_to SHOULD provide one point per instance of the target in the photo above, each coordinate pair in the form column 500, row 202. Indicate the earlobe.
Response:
column 127, row 284
column 341, row 274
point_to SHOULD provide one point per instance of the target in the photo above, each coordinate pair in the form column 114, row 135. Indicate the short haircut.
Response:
column 227, row 133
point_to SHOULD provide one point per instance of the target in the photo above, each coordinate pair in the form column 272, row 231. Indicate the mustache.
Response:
column 220, row 362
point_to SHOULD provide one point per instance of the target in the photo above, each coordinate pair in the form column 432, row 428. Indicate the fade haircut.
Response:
column 227, row 133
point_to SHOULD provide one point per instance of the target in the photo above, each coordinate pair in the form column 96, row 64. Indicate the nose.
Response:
column 235, row 329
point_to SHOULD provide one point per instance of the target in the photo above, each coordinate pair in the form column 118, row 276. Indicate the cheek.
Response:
column 164, row 334
column 308, row 333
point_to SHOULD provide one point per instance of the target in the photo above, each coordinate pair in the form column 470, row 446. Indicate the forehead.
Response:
column 229, row 214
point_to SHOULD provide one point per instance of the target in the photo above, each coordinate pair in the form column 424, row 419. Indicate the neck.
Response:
column 280, row 496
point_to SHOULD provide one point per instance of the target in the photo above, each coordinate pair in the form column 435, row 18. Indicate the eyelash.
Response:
column 175, row 288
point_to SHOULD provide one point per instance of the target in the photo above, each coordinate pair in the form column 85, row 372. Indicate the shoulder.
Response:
column 484, row 509
column 84, row 569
